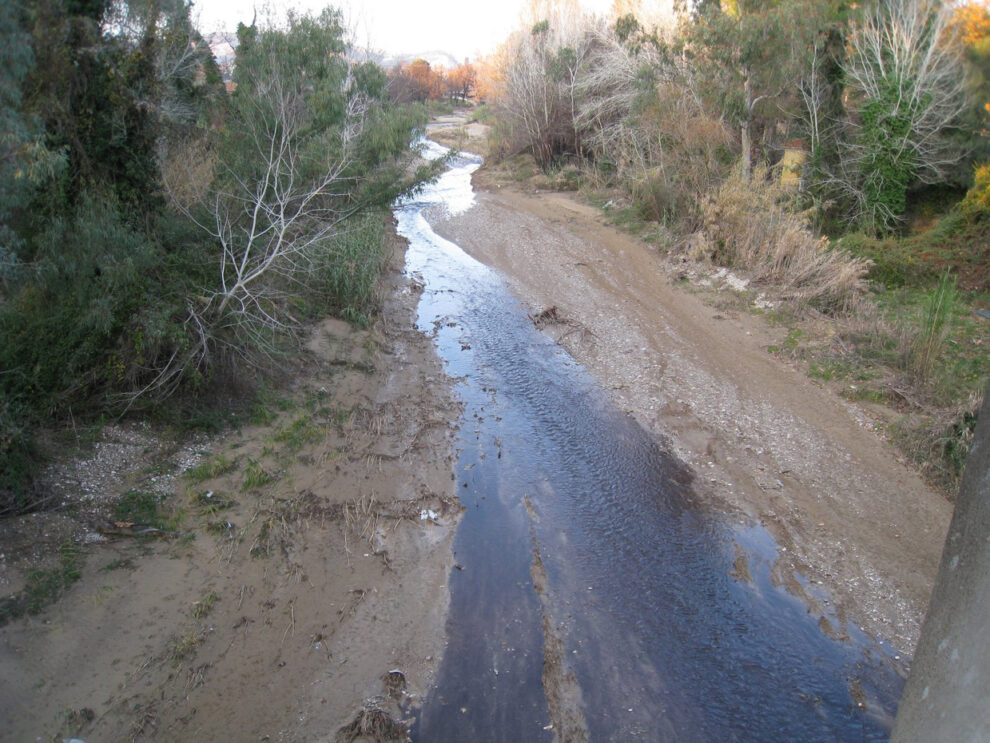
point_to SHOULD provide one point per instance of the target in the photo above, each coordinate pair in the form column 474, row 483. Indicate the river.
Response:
column 595, row 597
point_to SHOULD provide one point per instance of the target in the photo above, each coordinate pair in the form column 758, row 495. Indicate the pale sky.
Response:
column 465, row 28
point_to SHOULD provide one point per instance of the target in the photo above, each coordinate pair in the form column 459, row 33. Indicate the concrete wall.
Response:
column 947, row 697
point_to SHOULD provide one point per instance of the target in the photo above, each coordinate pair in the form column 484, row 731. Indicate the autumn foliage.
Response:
column 419, row 81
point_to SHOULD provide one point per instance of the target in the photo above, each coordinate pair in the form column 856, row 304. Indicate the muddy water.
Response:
column 588, row 575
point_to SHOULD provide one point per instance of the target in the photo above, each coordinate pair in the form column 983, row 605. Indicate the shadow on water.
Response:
column 674, row 622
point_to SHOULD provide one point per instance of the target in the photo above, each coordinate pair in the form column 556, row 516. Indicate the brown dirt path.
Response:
column 767, row 444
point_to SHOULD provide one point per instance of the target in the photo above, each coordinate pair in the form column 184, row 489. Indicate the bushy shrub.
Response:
column 99, row 309
column 659, row 200
column 18, row 457
column 753, row 225
column 976, row 205
column 62, row 330
column 893, row 262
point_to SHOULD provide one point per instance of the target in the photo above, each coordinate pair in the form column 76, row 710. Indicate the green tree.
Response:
column 24, row 159
column 750, row 53
column 95, row 88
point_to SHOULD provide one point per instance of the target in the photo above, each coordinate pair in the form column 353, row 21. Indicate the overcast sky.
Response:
column 464, row 28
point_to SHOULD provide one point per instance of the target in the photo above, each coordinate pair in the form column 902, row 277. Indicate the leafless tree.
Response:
column 541, row 84
column 270, row 226
column 904, row 61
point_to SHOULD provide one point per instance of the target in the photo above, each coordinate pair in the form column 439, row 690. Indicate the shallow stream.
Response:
column 586, row 564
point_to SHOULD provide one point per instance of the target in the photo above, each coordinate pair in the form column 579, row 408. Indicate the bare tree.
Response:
column 824, row 119
column 905, row 71
column 657, row 136
column 270, row 226
column 541, row 81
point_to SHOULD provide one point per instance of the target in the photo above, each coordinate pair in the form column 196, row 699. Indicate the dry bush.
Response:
column 373, row 722
column 753, row 226
column 658, row 140
column 187, row 171
column 539, row 85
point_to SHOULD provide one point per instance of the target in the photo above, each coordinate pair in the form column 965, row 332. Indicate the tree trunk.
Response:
column 747, row 145
column 747, row 157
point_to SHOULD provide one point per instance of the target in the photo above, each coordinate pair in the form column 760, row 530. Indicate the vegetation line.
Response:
column 825, row 149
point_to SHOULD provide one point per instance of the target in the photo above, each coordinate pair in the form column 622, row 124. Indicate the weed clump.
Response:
column 210, row 468
column 44, row 586
column 345, row 274
column 201, row 609
column 256, row 476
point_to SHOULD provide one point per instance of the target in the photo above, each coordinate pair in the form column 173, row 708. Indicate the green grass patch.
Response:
column 828, row 370
column 858, row 393
column 208, row 469
column 44, row 586
column 791, row 343
column 301, row 432
column 256, row 476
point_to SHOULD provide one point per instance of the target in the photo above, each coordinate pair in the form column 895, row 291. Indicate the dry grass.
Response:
column 187, row 171
column 753, row 226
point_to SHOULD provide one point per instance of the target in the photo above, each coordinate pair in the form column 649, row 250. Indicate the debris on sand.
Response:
column 549, row 316
column 373, row 723
column 394, row 684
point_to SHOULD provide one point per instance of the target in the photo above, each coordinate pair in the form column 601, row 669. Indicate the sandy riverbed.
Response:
column 282, row 618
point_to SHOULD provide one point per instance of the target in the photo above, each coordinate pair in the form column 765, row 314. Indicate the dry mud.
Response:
column 766, row 443
column 304, row 609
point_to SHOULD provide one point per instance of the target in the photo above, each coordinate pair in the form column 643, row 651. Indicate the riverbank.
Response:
column 767, row 445
column 297, row 585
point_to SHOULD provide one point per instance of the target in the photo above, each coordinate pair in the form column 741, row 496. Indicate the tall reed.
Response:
column 929, row 342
